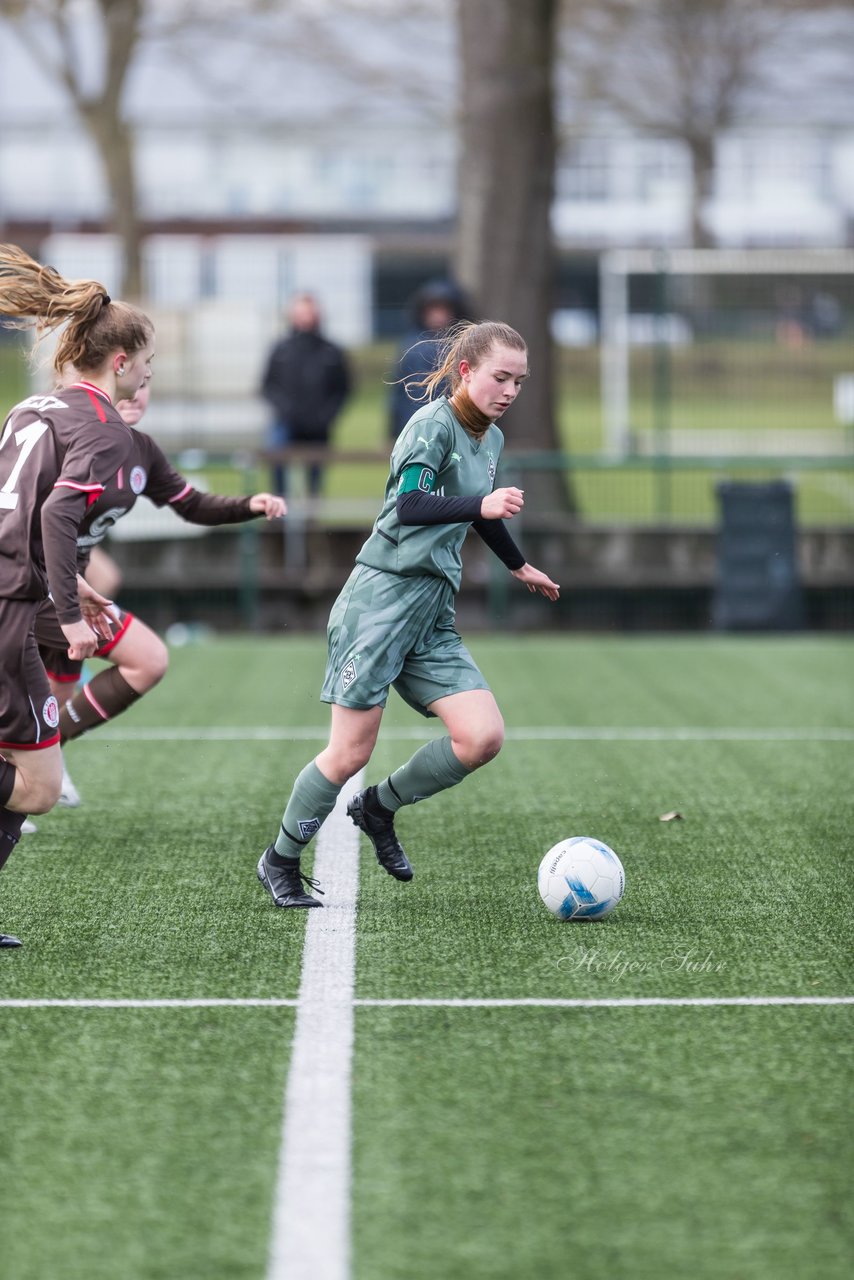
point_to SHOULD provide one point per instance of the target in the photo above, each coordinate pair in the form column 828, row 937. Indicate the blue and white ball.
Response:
column 581, row 879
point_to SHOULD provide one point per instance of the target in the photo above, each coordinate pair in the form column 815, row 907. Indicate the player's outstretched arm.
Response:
column 267, row 504
column 211, row 509
column 537, row 581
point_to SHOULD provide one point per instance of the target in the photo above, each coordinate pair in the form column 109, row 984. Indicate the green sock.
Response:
column 312, row 800
column 433, row 768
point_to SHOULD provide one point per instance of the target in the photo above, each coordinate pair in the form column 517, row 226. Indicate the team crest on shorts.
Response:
column 308, row 829
column 50, row 712
column 138, row 478
column 348, row 675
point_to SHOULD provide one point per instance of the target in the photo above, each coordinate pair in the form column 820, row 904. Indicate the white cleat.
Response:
column 28, row 828
column 69, row 795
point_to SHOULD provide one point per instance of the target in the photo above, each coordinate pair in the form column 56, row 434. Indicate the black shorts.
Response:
column 53, row 646
column 29, row 714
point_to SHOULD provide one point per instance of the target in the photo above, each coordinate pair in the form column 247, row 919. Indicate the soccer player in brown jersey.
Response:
column 58, row 452
column 137, row 655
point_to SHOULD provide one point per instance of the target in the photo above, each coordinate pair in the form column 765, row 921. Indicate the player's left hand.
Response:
column 267, row 504
column 96, row 609
column 537, row 581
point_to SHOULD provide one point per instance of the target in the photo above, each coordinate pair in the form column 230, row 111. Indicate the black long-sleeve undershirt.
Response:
column 498, row 538
column 417, row 507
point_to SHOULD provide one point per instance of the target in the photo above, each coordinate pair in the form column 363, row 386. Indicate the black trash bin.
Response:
column 758, row 587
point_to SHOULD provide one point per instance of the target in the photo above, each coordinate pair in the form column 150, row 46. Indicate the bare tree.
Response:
column 233, row 53
column 504, row 253
column 686, row 69
column 51, row 31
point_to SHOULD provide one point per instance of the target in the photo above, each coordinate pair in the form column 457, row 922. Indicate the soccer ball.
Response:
column 581, row 879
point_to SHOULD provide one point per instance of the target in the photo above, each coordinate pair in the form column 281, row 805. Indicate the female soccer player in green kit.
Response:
column 393, row 623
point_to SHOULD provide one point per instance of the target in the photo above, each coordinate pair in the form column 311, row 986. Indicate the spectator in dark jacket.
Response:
column 306, row 382
column 435, row 306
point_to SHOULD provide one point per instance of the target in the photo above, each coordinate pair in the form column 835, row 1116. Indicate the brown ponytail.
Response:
column 41, row 299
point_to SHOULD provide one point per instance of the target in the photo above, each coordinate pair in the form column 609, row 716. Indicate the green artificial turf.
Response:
column 139, row 1144
column 746, row 894
column 629, row 1144
column 537, row 1142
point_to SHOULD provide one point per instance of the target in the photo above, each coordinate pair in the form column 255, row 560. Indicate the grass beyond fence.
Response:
column 718, row 390
column 624, row 491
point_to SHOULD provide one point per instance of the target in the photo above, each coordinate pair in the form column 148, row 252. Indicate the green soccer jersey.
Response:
column 454, row 465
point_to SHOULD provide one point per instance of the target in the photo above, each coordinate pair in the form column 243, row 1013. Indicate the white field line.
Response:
column 249, row 1002
column 624, row 1002
column 532, row 733
column 521, row 1002
column 311, row 1205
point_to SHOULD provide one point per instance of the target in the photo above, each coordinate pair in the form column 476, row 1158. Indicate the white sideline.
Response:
column 448, row 1002
column 311, row 1204
column 531, row 733
column 621, row 1002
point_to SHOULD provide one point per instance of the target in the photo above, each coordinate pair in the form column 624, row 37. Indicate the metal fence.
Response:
column 658, row 489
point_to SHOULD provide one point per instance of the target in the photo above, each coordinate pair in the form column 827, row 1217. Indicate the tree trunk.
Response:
column 702, row 151
column 114, row 140
column 99, row 109
column 504, row 251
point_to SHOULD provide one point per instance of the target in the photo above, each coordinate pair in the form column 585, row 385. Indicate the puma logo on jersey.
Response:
column 423, row 440
column 456, row 457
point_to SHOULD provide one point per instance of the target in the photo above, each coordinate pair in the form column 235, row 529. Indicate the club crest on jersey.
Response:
column 50, row 712
column 138, row 478
column 307, row 829
column 490, row 469
column 348, row 675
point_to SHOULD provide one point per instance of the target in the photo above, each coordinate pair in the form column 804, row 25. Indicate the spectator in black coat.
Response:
column 306, row 382
column 435, row 306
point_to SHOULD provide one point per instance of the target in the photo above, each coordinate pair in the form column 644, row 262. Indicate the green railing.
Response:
column 657, row 516
column 645, row 490
column 662, row 489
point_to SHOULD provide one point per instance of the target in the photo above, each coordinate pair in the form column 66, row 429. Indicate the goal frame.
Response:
column 615, row 268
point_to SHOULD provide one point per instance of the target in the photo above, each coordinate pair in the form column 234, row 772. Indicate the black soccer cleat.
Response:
column 285, row 884
column 7, row 940
column 377, row 822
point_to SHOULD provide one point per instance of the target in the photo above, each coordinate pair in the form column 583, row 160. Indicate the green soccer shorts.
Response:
column 389, row 631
